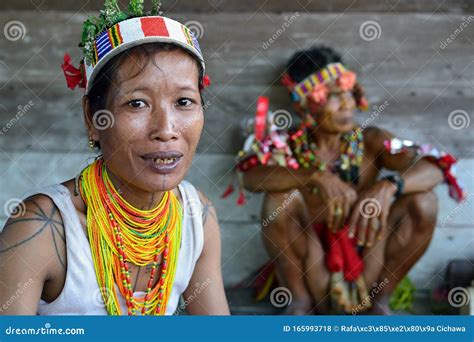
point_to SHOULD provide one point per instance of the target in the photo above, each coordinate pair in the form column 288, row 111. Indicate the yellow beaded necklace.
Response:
column 120, row 234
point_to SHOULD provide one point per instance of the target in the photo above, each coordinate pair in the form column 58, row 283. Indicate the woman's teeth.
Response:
column 164, row 161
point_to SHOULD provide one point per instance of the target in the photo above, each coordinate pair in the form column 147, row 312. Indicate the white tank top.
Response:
column 80, row 294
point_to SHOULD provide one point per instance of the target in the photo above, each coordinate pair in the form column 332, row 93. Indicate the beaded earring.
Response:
column 91, row 142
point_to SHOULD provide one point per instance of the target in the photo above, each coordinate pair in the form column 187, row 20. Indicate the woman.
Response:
column 128, row 235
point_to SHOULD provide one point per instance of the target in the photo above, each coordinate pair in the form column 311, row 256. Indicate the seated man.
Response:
column 335, row 227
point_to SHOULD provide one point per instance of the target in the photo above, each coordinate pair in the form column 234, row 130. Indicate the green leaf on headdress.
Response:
column 155, row 7
column 135, row 7
column 110, row 12
column 89, row 32
column 108, row 17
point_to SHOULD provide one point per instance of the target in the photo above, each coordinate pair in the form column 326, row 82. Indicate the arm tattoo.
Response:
column 46, row 221
column 206, row 206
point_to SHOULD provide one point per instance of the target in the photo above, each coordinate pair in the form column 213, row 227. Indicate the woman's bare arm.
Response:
column 32, row 251
column 205, row 294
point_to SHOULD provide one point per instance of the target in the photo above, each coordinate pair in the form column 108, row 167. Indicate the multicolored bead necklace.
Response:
column 352, row 150
column 120, row 234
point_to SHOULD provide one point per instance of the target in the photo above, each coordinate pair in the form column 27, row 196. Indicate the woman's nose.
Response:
column 163, row 125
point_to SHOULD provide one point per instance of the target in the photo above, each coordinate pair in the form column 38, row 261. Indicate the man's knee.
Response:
column 281, row 208
column 423, row 208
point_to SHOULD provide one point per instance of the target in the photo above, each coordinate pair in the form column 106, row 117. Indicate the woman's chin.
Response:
column 163, row 182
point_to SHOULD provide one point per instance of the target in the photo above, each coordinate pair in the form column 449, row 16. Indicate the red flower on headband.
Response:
column 206, row 82
column 74, row 76
column 320, row 93
column 347, row 80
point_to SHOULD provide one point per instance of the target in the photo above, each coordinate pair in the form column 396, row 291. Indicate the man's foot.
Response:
column 299, row 307
column 380, row 307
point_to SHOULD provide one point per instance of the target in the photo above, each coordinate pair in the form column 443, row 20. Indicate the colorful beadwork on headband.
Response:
column 136, row 31
column 315, row 85
column 330, row 73
column 116, row 31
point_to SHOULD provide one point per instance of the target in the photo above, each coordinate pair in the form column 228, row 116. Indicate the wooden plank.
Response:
column 449, row 6
column 423, row 82
column 56, row 115
column 447, row 244
column 239, row 57
column 211, row 173
column 243, row 251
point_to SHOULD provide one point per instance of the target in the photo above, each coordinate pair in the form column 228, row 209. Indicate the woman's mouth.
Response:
column 163, row 162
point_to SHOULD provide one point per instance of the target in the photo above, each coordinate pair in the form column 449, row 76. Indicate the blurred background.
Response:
column 415, row 59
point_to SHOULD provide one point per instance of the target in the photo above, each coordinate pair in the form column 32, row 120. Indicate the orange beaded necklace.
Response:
column 120, row 234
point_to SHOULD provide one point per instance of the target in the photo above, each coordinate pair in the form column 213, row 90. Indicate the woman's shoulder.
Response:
column 34, row 232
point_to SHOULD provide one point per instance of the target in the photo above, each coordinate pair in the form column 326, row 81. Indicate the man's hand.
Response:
column 369, row 216
column 337, row 195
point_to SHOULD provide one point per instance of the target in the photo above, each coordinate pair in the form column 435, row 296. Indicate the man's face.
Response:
column 336, row 115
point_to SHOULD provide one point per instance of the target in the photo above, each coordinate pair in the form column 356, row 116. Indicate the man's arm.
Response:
column 418, row 174
column 32, row 249
column 205, row 294
column 277, row 178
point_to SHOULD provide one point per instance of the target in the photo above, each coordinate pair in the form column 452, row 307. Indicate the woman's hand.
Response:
column 369, row 216
column 337, row 195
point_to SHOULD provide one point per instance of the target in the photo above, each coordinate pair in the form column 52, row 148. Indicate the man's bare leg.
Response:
column 411, row 224
column 316, row 273
column 286, row 243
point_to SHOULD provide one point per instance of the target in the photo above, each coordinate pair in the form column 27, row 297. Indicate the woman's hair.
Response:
column 101, row 89
column 305, row 62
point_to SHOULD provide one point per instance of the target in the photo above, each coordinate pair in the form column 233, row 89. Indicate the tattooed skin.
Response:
column 43, row 221
column 206, row 206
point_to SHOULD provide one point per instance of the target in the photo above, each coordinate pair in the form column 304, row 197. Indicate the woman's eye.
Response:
column 184, row 102
column 137, row 104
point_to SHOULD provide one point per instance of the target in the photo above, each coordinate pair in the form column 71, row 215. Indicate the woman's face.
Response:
column 157, row 121
column 337, row 114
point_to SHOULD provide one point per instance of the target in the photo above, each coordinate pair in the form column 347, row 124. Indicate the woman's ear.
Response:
column 88, row 118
